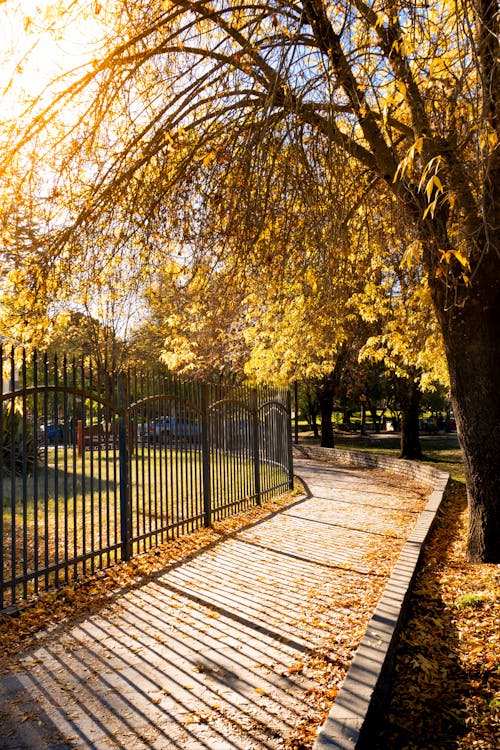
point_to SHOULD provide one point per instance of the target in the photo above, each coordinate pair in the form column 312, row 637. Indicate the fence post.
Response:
column 296, row 407
column 289, row 435
column 123, row 452
column 256, row 445
column 205, row 456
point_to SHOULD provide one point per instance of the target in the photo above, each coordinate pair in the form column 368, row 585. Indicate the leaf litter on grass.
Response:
column 446, row 690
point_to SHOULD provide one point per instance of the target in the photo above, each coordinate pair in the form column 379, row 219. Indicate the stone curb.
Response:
column 365, row 689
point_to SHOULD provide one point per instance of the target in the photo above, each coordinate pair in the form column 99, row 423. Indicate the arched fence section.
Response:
column 97, row 467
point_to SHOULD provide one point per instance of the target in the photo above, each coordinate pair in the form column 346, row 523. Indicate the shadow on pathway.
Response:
column 222, row 651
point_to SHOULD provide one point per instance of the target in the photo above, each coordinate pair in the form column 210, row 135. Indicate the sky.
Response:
column 30, row 56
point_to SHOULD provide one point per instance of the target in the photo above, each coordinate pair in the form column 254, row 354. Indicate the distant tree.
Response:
column 363, row 382
column 309, row 406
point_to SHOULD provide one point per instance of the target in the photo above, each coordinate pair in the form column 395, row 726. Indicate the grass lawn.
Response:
column 70, row 509
column 441, row 451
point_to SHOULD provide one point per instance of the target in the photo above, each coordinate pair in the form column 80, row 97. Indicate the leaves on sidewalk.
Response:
column 446, row 692
column 88, row 595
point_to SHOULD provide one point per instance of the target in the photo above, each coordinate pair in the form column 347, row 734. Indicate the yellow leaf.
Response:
column 411, row 254
column 437, row 182
column 434, row 182
column 209, row 159
column 461, row 258
column 417, row 146
column 431, row 208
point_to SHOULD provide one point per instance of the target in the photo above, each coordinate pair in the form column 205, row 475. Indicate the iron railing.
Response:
column 96, row 467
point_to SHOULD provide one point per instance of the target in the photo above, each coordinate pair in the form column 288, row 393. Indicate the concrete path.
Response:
column 220, row 651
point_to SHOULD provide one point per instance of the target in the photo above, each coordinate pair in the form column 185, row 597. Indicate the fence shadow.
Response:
column 218, row 649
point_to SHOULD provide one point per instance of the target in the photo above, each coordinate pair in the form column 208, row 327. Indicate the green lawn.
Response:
column 72, row 505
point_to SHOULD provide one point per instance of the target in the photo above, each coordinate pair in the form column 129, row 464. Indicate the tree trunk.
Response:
column 363, row 419
column 471, row 335
column 325, row 391
column 326, row 405
column 346, row 417
column 409, row 394
column 376, row 419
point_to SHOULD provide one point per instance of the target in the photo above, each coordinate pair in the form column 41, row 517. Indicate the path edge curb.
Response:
column 365, row 688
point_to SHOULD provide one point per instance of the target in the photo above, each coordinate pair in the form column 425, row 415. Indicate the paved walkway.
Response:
column 220, row 651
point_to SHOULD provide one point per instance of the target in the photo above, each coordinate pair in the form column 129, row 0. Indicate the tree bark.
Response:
column 376, row 419
column 326, row 388
column 363, row 419
column 346, row 417
column 471, row 335
column 409, row 395
column 325, row 391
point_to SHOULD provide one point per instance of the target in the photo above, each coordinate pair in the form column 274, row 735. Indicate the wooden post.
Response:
column 79, row 427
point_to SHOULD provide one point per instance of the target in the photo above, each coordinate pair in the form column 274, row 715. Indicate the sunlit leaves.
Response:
column 176, row 85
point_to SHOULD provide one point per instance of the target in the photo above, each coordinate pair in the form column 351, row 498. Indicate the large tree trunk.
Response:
column 408, row 394
column 471, row 334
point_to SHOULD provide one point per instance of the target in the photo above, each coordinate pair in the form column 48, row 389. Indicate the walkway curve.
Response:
column 221, row 651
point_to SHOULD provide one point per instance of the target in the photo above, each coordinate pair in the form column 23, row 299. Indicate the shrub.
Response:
column 18, row 442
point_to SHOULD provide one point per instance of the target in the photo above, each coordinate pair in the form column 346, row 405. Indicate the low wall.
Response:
column 364, row 691
column 410, row 469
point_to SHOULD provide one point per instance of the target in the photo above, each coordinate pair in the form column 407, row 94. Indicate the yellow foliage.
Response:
column 410, row 341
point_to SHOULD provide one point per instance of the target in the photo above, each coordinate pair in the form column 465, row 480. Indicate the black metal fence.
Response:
column 97, row 467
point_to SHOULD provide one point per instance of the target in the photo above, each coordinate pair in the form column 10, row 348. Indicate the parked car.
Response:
column 158, row 429
column 52, row 432
column 142, row 432
column 184, row 430
column 169, row 430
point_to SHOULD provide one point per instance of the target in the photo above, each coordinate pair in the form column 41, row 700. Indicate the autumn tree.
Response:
column 82, row 337
column 308, row 405
column 409, row 91
column 194, row 322
column 363, row 384
column 242, row 317
column 231, row 309
column 405, row 338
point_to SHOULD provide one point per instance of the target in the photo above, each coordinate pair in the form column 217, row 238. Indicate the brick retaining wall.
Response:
column 410, row 469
